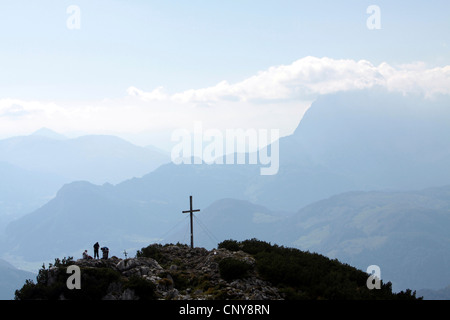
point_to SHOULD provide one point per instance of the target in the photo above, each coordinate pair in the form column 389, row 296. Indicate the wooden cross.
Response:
column 192, row 228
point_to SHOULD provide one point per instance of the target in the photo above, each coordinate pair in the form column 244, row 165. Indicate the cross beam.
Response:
column 191, row 211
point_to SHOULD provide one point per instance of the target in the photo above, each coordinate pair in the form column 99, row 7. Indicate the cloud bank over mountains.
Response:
column 310, row 76
column 273, row 98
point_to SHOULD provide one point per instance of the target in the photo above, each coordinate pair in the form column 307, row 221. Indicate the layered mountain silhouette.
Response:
column 404, row 233
column 364, row 140
column 354, row 141
column 33, row 168
column 230, row 218
column 22, row 191
column 48, row 133
column 95, row 158
column 11, row 278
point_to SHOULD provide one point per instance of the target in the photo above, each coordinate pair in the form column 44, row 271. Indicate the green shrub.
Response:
column 152, row 251
column 231, row 269
column 254, row 246
column 231, row 245
column 144, row 289
column 305, row 275
column 94, row 285
column 182, row 280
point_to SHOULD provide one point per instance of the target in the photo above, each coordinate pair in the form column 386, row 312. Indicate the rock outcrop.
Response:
column 177, row 272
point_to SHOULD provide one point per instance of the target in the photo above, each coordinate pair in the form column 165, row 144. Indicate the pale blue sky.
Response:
column 141, row 69
column 192, row 44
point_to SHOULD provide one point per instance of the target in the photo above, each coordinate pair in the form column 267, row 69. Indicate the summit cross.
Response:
column 191, row 211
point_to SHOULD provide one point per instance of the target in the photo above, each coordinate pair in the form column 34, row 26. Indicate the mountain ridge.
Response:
column 154, row 202
column 247, row 270
column 10, row 279
column 95, row 158
column 48, row 133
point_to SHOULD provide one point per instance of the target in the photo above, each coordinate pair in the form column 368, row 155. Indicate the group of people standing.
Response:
column 105, row 252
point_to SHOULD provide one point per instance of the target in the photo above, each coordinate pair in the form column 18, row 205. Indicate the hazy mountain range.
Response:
column 11, row 279
column 404, row 233
column 22, row 191
column 95, row 158
column 356, row 141
column 33, row 168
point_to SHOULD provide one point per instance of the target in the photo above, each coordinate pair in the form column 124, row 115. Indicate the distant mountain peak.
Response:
column 48, row 133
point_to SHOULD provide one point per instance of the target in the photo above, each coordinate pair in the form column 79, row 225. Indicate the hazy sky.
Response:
column 138, row 67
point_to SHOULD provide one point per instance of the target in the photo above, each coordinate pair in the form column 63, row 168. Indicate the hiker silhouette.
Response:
column 105, row 252
column 96, row 246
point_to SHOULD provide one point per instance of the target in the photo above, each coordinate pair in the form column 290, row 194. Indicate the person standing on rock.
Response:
column 105, row 251
column 96, row 246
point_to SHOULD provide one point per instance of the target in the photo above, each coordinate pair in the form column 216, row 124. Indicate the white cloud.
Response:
column 272, row 99
column 156, row 95
column 310, row 76
column 416, row 78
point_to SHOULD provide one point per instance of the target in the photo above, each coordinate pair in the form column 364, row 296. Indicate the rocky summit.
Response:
column 177, row 272
column 247, row 270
